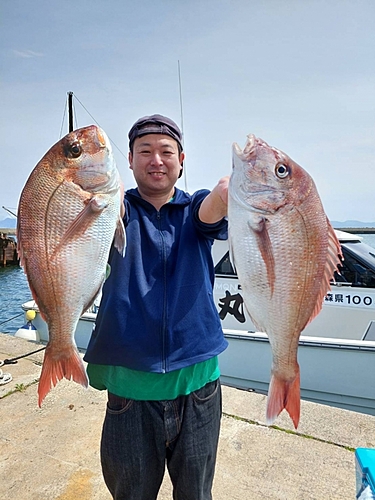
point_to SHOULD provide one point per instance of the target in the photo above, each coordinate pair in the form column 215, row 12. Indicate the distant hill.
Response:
column 8, row 223
column 12, row 223
column 351, row 223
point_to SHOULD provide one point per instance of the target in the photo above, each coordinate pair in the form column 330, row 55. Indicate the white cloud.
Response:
column 27, row 53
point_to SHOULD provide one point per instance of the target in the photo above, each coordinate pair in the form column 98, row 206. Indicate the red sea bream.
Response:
column 68, row 216
column 285, row 253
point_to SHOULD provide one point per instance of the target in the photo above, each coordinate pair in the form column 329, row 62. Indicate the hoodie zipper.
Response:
column 164, row 316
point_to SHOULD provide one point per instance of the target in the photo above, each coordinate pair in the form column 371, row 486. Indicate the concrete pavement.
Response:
column 52, row 452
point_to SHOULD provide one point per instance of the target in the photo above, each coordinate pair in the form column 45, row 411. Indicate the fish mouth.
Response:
column 250, row 153
column 103, row 138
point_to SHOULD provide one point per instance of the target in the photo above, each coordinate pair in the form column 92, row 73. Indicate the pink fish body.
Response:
column 68, row 216
column 285, row 252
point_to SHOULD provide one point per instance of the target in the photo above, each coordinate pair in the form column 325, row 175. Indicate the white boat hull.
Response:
column 335, row 372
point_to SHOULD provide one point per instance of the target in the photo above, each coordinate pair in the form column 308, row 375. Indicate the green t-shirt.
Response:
column 147, row 386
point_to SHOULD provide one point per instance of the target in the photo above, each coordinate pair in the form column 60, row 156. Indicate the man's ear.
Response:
column 130, row 158
column 182, row 157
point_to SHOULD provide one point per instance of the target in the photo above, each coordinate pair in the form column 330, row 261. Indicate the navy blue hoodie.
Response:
column 157, row 312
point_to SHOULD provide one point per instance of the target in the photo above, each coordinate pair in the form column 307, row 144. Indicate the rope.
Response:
column 5, row 378
column 13, row 361
column 62, row 124
column 88, row 112
column 14, row 317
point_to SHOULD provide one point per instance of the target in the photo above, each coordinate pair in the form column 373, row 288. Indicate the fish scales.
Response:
column 68, row 216
column 285, row 252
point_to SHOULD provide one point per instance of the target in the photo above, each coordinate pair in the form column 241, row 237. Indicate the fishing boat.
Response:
column 336, row 350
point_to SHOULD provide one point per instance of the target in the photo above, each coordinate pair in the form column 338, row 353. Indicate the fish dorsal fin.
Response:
column 19, row 243
column 93, row 208
column 259, row 227
column 334, row 254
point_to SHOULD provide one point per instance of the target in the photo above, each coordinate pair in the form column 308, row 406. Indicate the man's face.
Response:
column 156, row 163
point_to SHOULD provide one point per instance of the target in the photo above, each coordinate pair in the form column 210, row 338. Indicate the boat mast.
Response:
column 70, row 110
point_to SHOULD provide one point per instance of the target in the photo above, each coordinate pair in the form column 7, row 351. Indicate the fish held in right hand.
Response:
column 285, row 252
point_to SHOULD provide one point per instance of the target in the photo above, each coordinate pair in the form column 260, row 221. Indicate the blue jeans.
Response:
column 140, row 437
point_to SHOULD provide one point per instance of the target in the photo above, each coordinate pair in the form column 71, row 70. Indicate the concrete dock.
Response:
column 52, row 452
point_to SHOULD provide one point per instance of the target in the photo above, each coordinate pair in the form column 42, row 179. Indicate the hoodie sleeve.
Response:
column 217, row 231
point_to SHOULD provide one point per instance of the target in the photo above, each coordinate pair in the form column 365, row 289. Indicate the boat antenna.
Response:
column 70, row 110
column 182, row 120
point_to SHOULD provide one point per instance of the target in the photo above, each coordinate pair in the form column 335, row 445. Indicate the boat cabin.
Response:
column 348, row 309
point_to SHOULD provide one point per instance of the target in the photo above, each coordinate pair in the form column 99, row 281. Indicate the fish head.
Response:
column 85, row 158
column 266, row 179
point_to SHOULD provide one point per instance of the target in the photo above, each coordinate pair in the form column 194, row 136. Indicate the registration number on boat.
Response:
column 357, row 298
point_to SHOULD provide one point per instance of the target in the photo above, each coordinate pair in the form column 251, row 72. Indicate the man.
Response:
column 158, row 334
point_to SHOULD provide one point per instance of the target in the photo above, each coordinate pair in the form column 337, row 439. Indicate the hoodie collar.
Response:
column 180, row 197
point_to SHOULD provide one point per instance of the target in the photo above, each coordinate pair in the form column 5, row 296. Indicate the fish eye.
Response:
column 75, row 149
column 281, row 171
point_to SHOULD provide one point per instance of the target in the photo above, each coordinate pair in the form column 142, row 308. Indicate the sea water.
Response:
column 369, row 239
column 14, row 291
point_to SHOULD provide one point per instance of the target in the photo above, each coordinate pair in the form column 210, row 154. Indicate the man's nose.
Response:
column 156, row 159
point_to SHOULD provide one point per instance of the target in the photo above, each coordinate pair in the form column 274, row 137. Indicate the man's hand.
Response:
column 215, row 206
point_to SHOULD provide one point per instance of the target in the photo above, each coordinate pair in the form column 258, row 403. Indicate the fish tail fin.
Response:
column 60, row 364
column 283, row 394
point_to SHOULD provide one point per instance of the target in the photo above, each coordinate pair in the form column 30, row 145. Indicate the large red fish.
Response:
column 68, row 216
column 285, row 252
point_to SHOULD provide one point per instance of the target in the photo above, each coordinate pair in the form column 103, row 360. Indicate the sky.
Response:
column 300, row 74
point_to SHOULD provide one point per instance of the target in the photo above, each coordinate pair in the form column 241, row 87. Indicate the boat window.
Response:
column 363, row 251
column 355, row 271
column 225, row 267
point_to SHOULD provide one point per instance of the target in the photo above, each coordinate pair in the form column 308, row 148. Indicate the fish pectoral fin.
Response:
column 93, row 208
column 259, row 227
column 120, row 237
